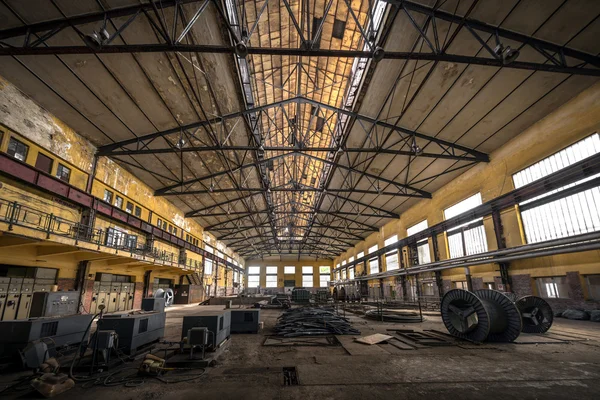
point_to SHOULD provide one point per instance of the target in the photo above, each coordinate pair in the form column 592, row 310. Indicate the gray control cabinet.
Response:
column 54, row 304
column 245, row 320
column 217, row 321
column 135, row 330
column 64, row 331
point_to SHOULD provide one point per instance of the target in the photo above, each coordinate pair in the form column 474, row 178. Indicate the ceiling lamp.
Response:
column 378, row 54
column 241, row 50
column 506, row 54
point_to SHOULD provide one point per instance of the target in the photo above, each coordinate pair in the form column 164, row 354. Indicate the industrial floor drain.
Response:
column 290, row 376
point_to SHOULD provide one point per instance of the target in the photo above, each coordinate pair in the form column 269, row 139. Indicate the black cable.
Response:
column 78, row 353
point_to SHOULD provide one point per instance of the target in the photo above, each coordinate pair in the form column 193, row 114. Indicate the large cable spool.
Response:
column 505, row 318
column 536, row 313
column 465, row 316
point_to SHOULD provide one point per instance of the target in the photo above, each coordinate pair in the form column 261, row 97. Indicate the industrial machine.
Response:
column 54, row 304
column 63, row 331
column 218, row 322
column 136, row 329
column 245, row 320
column 300, row 295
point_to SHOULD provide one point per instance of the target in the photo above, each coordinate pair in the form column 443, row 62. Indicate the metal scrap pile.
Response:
column 312, row 321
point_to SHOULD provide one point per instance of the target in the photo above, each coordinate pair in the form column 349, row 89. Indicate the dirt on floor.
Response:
column 563, row 364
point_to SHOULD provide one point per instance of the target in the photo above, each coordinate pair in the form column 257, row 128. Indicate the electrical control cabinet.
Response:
column 54, row 304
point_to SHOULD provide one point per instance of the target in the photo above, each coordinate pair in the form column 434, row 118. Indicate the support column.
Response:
column 439, row 283
column 469, row 280
column 501, row 241
column 147, row 289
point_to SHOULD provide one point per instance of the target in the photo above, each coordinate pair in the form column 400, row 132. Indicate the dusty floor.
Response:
column 249, row 370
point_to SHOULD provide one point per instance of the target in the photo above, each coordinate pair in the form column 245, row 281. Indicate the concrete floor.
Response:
column 249, row 370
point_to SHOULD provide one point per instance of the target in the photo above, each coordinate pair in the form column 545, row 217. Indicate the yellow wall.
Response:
column 574, row 121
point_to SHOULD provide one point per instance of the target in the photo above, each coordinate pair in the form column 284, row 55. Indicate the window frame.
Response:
column 15, row 153
column 61, row 168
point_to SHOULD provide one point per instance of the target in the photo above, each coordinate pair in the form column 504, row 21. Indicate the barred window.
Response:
column 423, row 255
column 569, row 210
column 468, row 238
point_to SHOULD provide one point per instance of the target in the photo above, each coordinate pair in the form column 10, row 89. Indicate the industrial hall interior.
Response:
column 298, row 199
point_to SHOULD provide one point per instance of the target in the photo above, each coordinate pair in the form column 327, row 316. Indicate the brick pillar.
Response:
column 150, row 289
column 66, row 284
column 447, row 285
column 477, row 283
column 575, row 289
column 87, row 296
column 138, row 295
column 521, row 285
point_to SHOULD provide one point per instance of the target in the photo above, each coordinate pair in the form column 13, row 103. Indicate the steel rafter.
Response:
column 174, row 48
column 559, row 56
column 449, row 149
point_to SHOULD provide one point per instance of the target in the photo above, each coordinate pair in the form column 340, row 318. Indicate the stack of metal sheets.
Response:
column 312, row 321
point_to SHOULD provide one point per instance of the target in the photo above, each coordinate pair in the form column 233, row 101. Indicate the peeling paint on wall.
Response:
column 23, row 115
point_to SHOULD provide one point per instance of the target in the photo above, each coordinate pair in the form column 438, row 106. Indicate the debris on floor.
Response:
column 312, row 321
column 374, row 339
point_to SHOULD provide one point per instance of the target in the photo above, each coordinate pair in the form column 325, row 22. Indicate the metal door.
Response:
column 122, row 298
column 3, row 298
column 24, row 305
column 10, row 311
column 95, row 295
column 113, row 297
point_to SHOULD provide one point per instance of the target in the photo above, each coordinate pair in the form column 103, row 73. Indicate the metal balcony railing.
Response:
column 18, row 214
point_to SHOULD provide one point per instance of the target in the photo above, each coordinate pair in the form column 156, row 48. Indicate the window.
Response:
column 271, row 276
column 460, row 285
column 325, row 270
column 208, row 263
column 137, row 212
column 337, row 266
column 350, row 273
column 374, row 265
column 373, row 249
column 307, row 276
column 316, row 41
column 593, row 284
column 119, row 202
column 108, row 196
column 17, row 149
column 170, row 228
column 129, row 207
column 253, row 281
column 271, row 270
column 339, row 27
column 351, row 259
column 422, row 248
column 63, row 173
column 391, row 258
column 271, row 281
column 553, row 287
column 132, row 241
column 115, row 238
column 468, row 238
column 253, row 276
column 343, row 263
column 289, row 270
column 360, row 255
column 174, row 230
column 159, row 223
column 552, row 216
